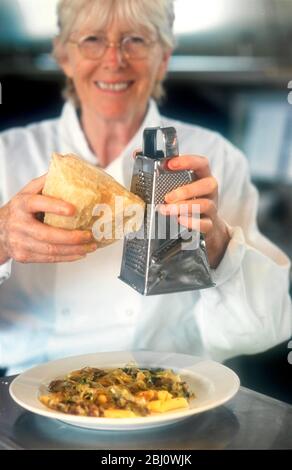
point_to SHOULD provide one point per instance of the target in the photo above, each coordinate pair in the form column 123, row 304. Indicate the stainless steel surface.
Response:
column 248, row 421
column 162, row 257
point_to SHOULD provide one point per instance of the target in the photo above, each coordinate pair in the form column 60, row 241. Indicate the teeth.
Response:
column 113, row 86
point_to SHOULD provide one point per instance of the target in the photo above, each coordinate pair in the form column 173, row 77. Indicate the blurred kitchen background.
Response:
column 232, row 72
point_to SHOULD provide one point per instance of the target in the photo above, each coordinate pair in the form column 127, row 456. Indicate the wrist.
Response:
column 217, row 245
column 4, row 256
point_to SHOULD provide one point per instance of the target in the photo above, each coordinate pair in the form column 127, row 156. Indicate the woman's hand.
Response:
column 27, row 240
column 201, row 194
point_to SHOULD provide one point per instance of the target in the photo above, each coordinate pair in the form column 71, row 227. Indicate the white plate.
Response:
column 212, row 383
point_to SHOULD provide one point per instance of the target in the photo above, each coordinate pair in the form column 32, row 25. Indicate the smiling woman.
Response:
column 114, row 54
column 153, row 19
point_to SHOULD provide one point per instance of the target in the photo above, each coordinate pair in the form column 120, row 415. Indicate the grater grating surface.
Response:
column 137, row 249
column 143, row 186
column 136, row 255
column 166, row 182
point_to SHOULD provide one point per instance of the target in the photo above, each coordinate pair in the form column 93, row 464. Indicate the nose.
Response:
column 113, row 57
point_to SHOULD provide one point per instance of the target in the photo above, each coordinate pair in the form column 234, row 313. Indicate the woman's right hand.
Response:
column 27, row 240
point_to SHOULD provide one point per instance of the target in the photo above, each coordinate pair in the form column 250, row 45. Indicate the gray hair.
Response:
column 153, row 15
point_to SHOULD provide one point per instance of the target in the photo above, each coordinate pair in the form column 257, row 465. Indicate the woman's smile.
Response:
column 114, row 86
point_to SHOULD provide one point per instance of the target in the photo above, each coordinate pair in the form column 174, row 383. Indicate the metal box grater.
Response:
column 162, row 257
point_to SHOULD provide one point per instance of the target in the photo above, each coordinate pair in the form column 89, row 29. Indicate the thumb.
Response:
column 35, row 186
column 136, row 152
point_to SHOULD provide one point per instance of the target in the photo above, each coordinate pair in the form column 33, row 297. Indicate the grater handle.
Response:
column 150, row 142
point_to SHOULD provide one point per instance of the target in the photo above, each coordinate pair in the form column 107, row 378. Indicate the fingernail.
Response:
column 92, row 247
column 174, row 163
column 88, row 237
column 67, row 210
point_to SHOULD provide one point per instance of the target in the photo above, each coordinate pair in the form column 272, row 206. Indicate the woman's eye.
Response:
column 137, row 40
column 94, row 40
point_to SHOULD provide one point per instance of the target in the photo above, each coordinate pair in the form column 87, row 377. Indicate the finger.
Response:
column 189, row 207
column 35, row 186
column 38, row 258
column 39, row 203
column 136, row 153
column 50, row 249
column 203, row 187
column 204, row 225
column 200, row 165
column 46, row 233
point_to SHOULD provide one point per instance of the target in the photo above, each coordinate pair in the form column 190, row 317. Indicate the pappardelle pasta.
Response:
column 118, row 393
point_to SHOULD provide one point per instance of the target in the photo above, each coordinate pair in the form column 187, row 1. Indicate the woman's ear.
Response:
column 164, row 64
column 61, row 56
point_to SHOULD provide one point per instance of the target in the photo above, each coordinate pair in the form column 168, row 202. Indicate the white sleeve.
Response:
column 249, row 310
column 5, row 271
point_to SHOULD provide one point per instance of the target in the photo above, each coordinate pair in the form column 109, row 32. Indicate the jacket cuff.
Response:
column 232, row 258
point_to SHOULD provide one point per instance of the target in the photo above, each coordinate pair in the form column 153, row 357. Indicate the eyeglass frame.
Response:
column 108, row 44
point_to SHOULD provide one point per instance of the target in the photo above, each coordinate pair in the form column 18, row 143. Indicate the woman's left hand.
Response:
column 202, row 195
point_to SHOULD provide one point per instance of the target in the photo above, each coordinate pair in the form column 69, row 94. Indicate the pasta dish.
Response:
column 118, row 393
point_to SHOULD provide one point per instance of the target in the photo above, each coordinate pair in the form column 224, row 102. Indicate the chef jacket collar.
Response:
column 74, row 141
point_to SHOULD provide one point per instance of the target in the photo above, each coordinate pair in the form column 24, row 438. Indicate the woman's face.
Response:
column 114, row 87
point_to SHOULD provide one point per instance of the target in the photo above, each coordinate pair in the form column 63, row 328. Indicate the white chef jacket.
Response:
column 49, row 311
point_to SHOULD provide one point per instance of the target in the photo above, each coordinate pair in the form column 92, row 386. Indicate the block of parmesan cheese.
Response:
column 97, row 197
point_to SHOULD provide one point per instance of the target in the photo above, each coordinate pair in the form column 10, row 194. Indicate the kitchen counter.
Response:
column 248, row 421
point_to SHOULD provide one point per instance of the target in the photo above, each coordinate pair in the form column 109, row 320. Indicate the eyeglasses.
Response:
column 93, row 47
